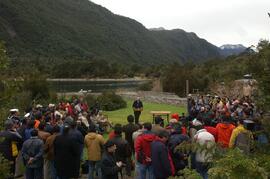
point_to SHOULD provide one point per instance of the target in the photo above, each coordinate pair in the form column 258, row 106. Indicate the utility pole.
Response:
column 187, row 87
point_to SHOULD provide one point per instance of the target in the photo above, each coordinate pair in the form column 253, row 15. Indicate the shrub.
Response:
column 90, row 99
column 4, row 167
column 109, row 101
column 146, row 86
column 38, row 87
column 237, row 165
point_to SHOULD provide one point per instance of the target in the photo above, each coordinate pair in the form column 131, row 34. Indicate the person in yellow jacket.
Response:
column 94, row 143
column 239, row 129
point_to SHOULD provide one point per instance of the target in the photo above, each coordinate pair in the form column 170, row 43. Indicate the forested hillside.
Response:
column 57, row 30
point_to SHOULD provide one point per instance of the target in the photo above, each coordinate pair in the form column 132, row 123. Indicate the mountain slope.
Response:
column 80, row 29
column 229, row 49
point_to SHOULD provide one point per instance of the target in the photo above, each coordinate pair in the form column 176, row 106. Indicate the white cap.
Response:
column 51, row 105
column 14, row 110
column 27, row 115
column 39, row 106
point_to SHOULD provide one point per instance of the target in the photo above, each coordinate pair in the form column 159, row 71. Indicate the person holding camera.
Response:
column 109, row 167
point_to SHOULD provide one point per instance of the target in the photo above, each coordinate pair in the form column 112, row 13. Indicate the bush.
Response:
column 4, row 167
column 109, row 101
column 38, row 87
column 146, row 86
column 237, row 165
column 90, row 99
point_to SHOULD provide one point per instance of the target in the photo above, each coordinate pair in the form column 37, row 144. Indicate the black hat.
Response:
column 9, row 124
column 109, row 144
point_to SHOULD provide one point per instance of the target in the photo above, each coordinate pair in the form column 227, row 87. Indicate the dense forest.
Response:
column 61, row 31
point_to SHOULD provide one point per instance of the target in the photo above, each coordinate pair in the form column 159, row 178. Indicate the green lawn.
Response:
column 120, row 116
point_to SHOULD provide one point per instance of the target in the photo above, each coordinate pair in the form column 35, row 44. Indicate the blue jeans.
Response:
column 94, row 166
column 145, row 171
column 34, row 173
column 202, row 169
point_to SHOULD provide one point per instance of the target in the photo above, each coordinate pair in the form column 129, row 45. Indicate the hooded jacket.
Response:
column 224, row 132
column 161, row 160
column 143, row 147
column 178, row 157
column 94, row 143
column 235, row 133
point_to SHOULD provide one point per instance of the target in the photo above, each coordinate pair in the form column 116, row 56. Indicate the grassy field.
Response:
column 120, row 116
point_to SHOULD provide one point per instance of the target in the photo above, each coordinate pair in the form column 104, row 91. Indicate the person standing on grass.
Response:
column 67, row 154
column 49, row 155
column 137, row 108
column 129, row 129
column 32, row 153
column 109, row 166
column 94, row 143
column 143, row 152
column 123, row 151
column 161, row 160
column 9, row 144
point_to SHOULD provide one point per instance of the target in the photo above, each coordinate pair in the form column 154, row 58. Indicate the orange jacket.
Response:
column 224, row 132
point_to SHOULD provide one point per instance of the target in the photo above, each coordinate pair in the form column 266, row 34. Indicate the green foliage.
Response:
column 4, row 167
column 232, row 163
column 146, row 86
column 264, row 78
column 201, row 76
column 37, row 86
column 109, row 101
column 188, row 173
column 3, row 56
column 90, row 99
column 235, row 165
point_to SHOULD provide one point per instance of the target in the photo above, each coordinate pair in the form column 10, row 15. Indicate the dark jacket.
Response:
column 178, row 157
column 33, row 147
column 7, row 137
column 67, row 156
column 160, row 160
column 109, row 168
column 128, row 130
column 123, row 150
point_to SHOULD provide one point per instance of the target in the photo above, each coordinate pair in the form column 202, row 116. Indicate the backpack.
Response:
column 243, row 142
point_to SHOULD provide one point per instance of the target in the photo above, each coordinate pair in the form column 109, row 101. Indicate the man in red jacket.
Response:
column 143, row 152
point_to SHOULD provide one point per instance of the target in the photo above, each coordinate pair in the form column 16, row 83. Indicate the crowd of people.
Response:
column 50, row 140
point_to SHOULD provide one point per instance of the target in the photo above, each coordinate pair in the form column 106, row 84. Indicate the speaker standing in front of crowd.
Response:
column 137, row 108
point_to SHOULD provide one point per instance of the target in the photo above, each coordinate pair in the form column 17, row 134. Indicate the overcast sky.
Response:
column 218, row 21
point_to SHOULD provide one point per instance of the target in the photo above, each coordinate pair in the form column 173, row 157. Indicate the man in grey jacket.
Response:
column 32, row 153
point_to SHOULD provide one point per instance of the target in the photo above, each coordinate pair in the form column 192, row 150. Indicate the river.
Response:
column 95, row 85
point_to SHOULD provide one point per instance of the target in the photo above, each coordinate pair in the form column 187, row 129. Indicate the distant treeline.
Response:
column 173, row 76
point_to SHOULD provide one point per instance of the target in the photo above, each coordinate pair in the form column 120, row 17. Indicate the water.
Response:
column 101, row 85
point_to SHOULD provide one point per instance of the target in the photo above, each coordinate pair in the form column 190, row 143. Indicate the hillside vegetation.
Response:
column 58, row 30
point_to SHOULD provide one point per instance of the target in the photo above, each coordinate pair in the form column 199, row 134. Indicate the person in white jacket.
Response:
column 204, row 153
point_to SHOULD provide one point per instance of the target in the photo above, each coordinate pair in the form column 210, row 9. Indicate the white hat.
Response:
column 39, row 106
column 14, row 110
column 27, row 115
column 51, row 105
